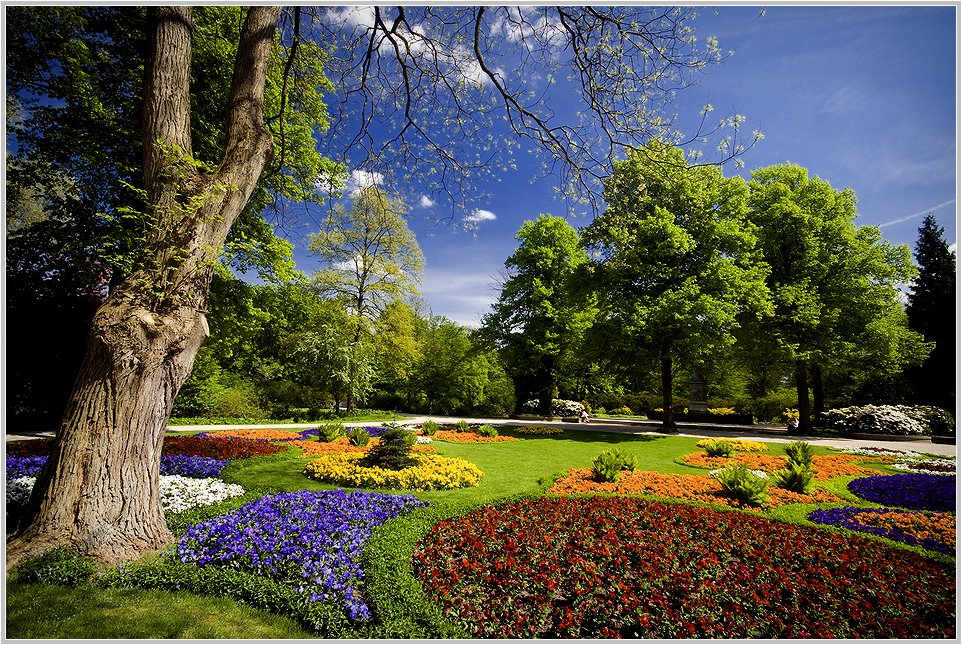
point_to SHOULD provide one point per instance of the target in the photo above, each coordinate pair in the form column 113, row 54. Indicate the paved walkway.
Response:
column 624, row 426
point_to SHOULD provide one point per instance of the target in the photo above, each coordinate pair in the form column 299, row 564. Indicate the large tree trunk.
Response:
column 818, row 391
column 100, row 489
column 668, row 420
column 804, row 405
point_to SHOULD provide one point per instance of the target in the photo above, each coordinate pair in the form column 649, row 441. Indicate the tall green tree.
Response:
column 675, row 261
column 144, row 337
column 832, row 282
column 371, row 259
column 541, row 315
column 932, row 312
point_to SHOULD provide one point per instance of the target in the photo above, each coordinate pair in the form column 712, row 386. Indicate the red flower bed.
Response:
column 219, row 447
column 29, row 448
column 612, row 567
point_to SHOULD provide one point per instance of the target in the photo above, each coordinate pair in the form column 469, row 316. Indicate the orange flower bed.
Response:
column 825, row 466
column 697, row 488
column 269, row 435
column 316, row 448
column 937, row 526
column 755, row 461
column 469, row 437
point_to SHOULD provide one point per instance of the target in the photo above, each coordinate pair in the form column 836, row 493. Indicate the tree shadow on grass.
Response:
column 587, row 436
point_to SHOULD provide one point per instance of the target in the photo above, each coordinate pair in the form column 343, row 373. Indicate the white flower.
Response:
column 177, row 494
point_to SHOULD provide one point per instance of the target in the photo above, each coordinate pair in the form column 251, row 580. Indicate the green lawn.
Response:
column 523, row 467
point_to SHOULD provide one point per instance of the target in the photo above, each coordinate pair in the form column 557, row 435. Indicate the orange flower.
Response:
column 938, row 526
column 313, row 448
column 698, row 488
column 825, row 466
column 268, row 434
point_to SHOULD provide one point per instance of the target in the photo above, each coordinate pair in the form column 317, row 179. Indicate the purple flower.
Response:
column 187, row 466
column 310, row 540
column 24, row 466
column 845, row 518
column 914, row 490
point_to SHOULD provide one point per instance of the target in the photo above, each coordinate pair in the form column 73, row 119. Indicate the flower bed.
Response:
column 29, row 448
column 24, row 466
column 219, row 447
column 738, row 445
column 189, row 466
column 470, row 437
column 258, row 434
column 432, row 472
column 935, row 531
column 310, row 540
column 538, row 431
column 916, row 491
column 825, row 466
column 608, row 567
column 696, row 488
column 177, row 493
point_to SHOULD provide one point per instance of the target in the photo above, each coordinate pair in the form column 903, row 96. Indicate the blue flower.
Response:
column 316, row 538
column 917, row 491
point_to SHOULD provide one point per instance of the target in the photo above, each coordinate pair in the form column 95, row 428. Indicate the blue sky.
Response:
column 862, row 96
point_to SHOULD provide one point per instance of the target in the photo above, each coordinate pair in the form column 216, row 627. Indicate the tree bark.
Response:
column 100, row 489
column 668, row 420
column 804, row 405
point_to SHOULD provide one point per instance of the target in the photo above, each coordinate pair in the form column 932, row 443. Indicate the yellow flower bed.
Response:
column 738, row 445
column 432, row 472
column 538, row 430
column 470, row 437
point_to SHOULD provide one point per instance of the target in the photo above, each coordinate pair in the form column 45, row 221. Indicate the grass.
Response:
column 517, row 468
column 49, row 612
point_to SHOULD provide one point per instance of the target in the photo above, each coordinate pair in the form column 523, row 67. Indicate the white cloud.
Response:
column 361, row 179
column 463, row 297
column 426, row 202
column 952, row 247
column 480, row 215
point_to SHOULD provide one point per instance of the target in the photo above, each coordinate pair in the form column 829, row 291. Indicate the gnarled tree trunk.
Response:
column 100, row 489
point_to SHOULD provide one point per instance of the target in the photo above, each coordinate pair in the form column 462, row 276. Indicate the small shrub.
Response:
column 358, row 437
column 743, row 485
column 394, row 451
column 794, row 477
column 601, row 410
column 462, row 426
column 738, row 445
column 624, row 411
column 539, row 430
column 328, row 432
column 609, row 464
column 488, row 431
column 800, row 453
column 717, row 448
column 430, row 428
column 63, row 566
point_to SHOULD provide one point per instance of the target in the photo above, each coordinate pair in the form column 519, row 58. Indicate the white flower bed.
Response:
column 177, row 494
column 877, row 419
column 909, row 460
column 559, row 407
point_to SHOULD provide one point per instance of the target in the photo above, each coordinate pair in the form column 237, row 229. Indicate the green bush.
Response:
column 609, row 464
column 430, row 428
column 488, row 431
column 769, row 408
column 462, row 426
column 794, row 477
column 744, row 486
column 393, row 452
column 800, row 453
column 718, row 448
column 358, row 437
column 63, row 566
column 327, row 432
column 240, row 399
